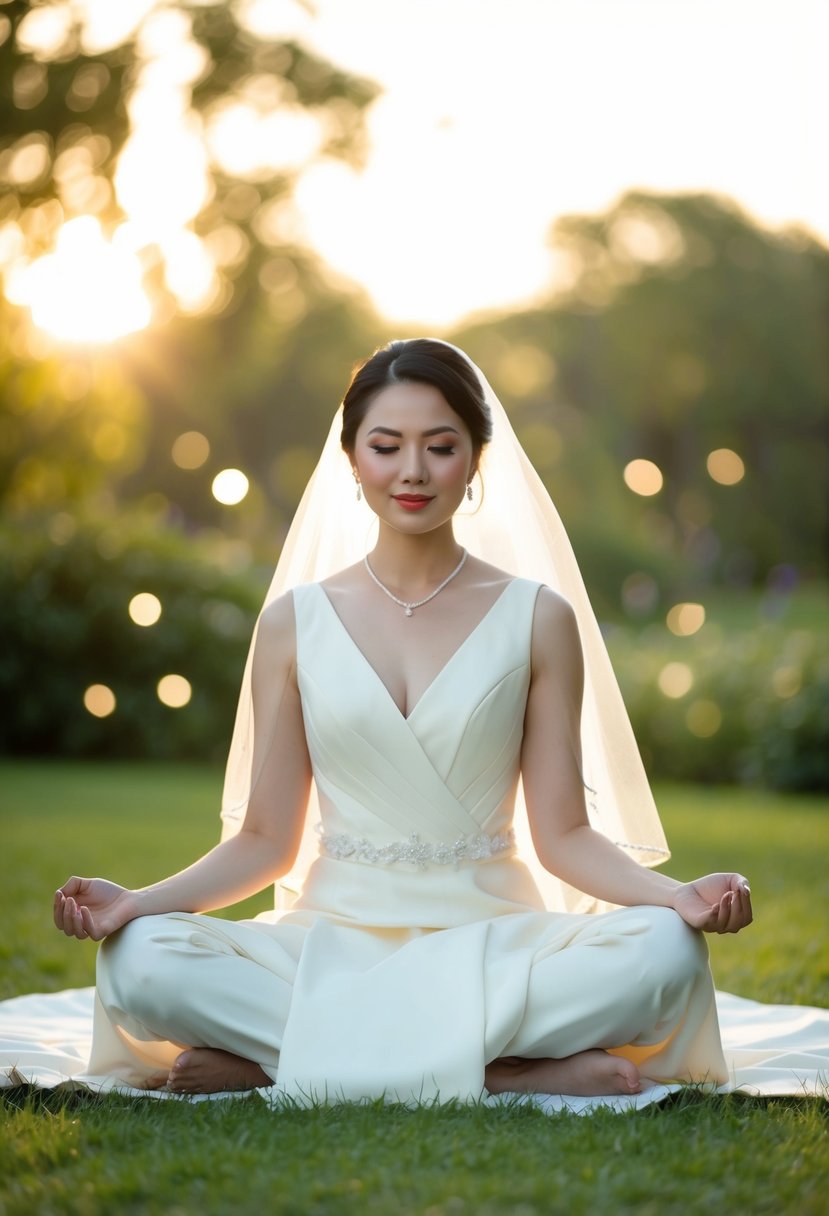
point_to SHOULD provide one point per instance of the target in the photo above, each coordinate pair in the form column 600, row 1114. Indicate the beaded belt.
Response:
column 345, row 847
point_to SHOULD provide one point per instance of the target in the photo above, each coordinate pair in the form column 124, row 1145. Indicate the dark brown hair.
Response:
column 418, row 361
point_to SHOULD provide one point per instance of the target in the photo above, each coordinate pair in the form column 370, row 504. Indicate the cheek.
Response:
column 454, row 468
column 374, row 469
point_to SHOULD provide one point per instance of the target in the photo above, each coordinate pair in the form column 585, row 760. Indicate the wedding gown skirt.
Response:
column 419, row 948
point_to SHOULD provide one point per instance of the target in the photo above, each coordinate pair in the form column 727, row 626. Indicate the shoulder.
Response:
column 276, row 632
column 553, row 613
column 555, row 634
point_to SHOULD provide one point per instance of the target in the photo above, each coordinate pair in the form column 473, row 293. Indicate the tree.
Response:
column 682, row 329
column 83, row 422
column 80, row 122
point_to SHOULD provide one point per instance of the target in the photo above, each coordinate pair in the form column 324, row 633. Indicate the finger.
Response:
column 707, row 922
column 57, row 909
column 724, row 912
column 743, row 914
column 73, row 926
column 68, row 912
column 72, row 886
column 741, row 911
column 89, row 924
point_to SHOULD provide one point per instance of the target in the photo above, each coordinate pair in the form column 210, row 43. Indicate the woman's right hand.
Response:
column 92, row 908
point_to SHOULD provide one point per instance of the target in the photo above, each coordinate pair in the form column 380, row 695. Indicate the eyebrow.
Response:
column 435, row 430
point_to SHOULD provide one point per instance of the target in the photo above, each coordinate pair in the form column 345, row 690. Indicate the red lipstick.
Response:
column 412, row 502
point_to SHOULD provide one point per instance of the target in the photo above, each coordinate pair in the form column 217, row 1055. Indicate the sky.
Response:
column 500, row 115
column 496, row 117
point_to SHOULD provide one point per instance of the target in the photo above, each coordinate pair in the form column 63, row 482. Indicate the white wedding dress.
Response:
column 419, row 948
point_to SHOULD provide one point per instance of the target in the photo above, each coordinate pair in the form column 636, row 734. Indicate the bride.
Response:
column 432, row 761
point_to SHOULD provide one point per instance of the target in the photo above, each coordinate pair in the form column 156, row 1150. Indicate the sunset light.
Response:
column 88, row 290
column 453, row 182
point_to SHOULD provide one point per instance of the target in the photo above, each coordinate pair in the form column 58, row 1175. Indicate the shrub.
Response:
column 65, row 623
column 756, row 711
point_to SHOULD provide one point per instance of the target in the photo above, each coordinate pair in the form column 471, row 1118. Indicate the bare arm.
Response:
column 551, row 769
column 266, row 845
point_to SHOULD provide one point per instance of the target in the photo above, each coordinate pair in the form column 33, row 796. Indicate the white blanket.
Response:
column 771, row 1050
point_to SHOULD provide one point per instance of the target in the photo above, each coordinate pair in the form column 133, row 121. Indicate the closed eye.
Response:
column 438, row 449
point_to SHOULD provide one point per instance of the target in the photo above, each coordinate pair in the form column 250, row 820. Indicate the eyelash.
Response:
column 440, row 449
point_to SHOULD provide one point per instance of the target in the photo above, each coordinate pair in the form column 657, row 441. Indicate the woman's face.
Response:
column 413, row 456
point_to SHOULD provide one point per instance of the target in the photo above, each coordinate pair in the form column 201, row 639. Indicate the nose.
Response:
column 414, row 467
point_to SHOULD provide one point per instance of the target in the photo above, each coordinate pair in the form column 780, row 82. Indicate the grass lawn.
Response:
column 63, row 1153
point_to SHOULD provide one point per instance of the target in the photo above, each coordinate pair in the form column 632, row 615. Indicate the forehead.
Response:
column 411, row 406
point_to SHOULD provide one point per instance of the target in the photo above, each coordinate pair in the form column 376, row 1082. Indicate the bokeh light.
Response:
column 190, row 450
column 145, row 608
column 725, row 466
column 174, row 691
column 643, row 477
column 685, row 619
column 675, row 680
column 703, row 718
column 230, row 487
column 99, row 700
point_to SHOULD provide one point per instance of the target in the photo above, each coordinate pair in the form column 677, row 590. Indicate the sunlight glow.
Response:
column 249, row 144
column 88, row 290
column 161, row 179
column 469, row 158
column 189, row 271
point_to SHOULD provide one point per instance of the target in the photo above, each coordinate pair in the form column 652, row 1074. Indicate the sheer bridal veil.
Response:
column 515, row 526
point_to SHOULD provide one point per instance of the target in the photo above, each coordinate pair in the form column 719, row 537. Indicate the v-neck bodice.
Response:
column 467, row 641
column 445, row 776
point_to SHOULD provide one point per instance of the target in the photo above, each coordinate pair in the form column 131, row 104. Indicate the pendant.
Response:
column 408, row 612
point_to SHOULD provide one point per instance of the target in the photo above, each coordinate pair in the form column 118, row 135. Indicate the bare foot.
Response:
column 586, row 1074
column 206, row 1070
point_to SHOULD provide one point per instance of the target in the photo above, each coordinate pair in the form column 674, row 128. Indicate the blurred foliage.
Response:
column 756, row 711
column 68, row 109
column 676, row 326
column 684, row 328
column 65, row 589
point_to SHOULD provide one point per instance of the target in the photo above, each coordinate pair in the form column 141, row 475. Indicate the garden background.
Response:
column 172, row 348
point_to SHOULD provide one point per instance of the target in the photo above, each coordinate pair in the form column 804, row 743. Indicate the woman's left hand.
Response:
column 717, row 903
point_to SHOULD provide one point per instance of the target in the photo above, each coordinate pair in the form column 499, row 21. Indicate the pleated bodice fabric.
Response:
column 444, row 775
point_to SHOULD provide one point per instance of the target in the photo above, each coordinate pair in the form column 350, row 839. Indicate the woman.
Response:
column 412, row 689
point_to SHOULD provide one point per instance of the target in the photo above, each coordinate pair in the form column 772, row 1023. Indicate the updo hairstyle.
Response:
column 418, row 361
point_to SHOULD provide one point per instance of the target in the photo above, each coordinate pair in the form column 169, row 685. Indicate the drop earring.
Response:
column 359, row 490
column 469, row 491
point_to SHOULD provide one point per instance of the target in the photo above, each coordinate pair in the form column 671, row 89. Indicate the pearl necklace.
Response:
column 409, row 607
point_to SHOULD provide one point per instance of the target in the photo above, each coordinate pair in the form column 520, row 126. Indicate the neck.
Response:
column 414, row 565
